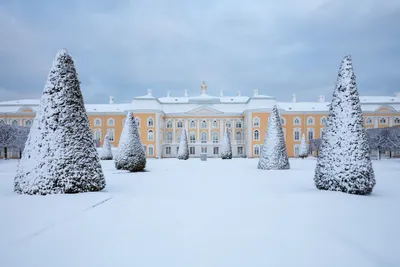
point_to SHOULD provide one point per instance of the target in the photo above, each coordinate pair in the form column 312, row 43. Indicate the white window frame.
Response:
column 255, row 148
column 308, row 133
column 15, row 123
column 236, row 135
column 369, row 121
column 383, row 118
column 97, row 122
column 254, row 135
column 95, row 133
column 150, row 122
column 296, row 148
column 169, row 124
column 239, row 124
column 322, row 120
column 228, row 124
column 168, row 150
column 240, row 150
column 312, row 120
column 213, row 135
column 296, row 123
column 203, row 124
column 111, row 132
column 294, row 134
column 192, row 124
column 179, row 124
column 26, row 123
column 216, row 149
column 150, row 135
column 150, row 148
column 256, row 122
column 396, row 120
column 110, row 122
column 191, row 134
column 167, row 139
column 192, row 150
column 215, row 124
column 201, row 137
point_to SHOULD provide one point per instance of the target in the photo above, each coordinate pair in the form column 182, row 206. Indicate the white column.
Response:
column 233, row 137
column 198, row 130
column 249, row 145
column 390, row 121
column 186, row 121
column 173, row 130
column 221, row 130
column 209, row 129
column 158, row 136
column 376, row 120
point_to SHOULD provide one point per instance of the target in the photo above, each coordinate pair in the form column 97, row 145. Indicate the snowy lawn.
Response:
column 192, row 213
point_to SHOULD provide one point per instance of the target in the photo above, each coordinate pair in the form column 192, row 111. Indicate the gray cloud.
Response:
column 121, row 48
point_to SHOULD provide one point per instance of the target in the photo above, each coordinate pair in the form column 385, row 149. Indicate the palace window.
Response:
column 97, row 134
column 296, row 134
column 111, row 134
column 168, row 150
column 150, row 151
column 192, row 150
column 150, row 122
column 256, row 122
column 150, row 135
column 192, row 124
column 2, row 122
column 310, row 121
column 296, row 121
column 310, row 133
column 283, row 121
column 238, row 124
column 204, row 137
column 169, row 124
column 110, row 122
column 97, row 122
column 239, row 136
column 256, row 150
column 169, row 137
column 215, row 124
column 323, row 121
column 369, row 121
column 137, row 120
column 240, row 150
column 216, row 150
column 192, row 137
column 215, row 137
column 14, row 123
column 179, row 124
column 296, row 150
column 28, row 123
column 396, row 121
column 382, row 121
column 204, row 124
column 256, row 135
column 228, row 124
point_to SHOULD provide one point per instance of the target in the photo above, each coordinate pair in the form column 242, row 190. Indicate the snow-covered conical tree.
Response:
column 105, row 152
column 226, row 152
column 303, row 149
column 131, row 155
column 344, row 162
column 60, row 156
column 273, row 154
column 183, row 151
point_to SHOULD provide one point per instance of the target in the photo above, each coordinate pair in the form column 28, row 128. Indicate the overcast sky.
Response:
column 123, row 47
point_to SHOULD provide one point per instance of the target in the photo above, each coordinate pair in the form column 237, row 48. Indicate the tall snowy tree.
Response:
column 226, row 152
column 131, row 155
column 61, row 156
column 105, row 152
column 183, row 151
column 303, row 150
column 344, row 162
column 273, row 154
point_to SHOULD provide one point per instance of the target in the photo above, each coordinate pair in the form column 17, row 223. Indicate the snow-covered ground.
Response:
column 193, row 213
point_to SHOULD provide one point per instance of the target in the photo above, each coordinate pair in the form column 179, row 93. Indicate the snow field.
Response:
column 194, row 213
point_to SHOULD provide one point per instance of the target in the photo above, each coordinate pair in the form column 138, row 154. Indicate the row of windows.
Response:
column 296, row 121
column 204, row 137
column 204, row 124
column 27, row 123
column 296, row 134
column 192, row 150
column 111, row 122
column 382, row 120
column 257, row 150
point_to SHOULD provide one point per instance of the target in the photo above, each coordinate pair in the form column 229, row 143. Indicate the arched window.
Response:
column 111, row 134
column 179, row 124
column 323, row 121
column 238, row 136
column 296, row 121
column 192, row 124
column 215, row 137
column 150, row 150
column 256, row 135
column 256, row 122
column 28, row 123
column 97, row 134
column 204, row 137
column 296, row 134
column 14, row 123
column 192, row 137
column 137, row 120
column 238, row 124
column 228, row 124
column 110, row 122
column 283, row 121
column 296, row 150
column 150, row 122
column 310, row 121
column 369, row 121
column 204, row 124
column 310, row 133
column 169, row 124
column 397, row 120
column 97, row 122
column 215, row 124
column 150, row 135
column 169, row 137
column 256, row 150
column 382, row 120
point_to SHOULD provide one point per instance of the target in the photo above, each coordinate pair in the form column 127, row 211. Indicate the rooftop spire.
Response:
column 203, row 88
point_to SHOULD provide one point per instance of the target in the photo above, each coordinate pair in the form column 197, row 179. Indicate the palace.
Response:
column 205, row 117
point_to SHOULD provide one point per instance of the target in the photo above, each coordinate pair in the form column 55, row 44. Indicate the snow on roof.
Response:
column 379, row 99
column 25, row 102
column 304, row 106
column 108, row 107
